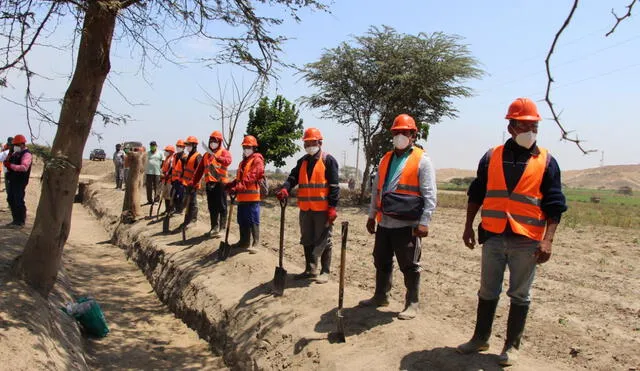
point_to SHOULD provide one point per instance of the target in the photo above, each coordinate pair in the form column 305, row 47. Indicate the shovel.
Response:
column 343, row 255
column 280, row 275
column 225, row 249
column 187, row 216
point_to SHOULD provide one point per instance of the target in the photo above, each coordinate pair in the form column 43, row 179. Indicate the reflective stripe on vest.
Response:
column 190, row 169
column 176, row 172
column 409, row 182
column 252, row 191
column 313, row 193
column 213, row 171
column 522, row 207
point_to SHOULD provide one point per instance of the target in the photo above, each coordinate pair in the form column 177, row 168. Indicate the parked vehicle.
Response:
column 97, row 155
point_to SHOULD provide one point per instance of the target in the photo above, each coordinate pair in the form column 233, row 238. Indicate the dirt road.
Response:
column 144, row 333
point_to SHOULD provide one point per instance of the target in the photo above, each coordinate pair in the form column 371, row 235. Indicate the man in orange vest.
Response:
column 518, row 186
column 176, row 174
column 190, row 164
column 403, row 198
column 165, row 176
column 317, row 176
column 214, row 168
column 247, row 188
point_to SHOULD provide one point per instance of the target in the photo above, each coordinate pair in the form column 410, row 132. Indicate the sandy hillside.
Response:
column 585, row 312
column 608, row 177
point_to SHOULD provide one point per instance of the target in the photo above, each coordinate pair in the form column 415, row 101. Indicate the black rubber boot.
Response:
column 223, row 222
column 325, row 262
column 255, row 233
column 215, row 227
column 515, row 329
column 309, row 268
column 484, row 321
column 381, row 296
column 245, row 235
column 412, row 283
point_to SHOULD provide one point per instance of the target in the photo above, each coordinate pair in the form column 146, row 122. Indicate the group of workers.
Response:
column 517, row 189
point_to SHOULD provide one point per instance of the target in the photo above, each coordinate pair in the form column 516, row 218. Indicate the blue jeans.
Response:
column 516, row 252
column 248, row 214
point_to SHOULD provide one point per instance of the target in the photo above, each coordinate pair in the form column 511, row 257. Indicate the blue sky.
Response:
column 597, row 79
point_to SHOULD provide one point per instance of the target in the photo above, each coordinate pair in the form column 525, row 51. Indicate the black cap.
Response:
column 153, row 143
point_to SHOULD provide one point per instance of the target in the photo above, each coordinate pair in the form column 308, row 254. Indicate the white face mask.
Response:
column 312, row 150
column 400, row 141
column 17, row 149
column 167, row 153
column 247, row 152
column 188, row 149
column 214, row 146
column 526, row 140
column 180, row 149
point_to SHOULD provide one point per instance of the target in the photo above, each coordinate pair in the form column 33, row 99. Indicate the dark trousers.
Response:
column 15, row 196
column 216, row 202
column 178, row 196
column 153, row 184
column 119, row 176
column 191, row 203
column 407, row 249
column 7, row 188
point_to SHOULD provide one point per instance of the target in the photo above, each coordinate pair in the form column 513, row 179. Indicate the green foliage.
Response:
column 276, row 126
column 41, row 151
column 605, row 196
column 369, row 81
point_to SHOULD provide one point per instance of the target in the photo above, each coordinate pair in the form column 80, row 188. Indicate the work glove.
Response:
column 282, row 194
column 331, row 215
column 371, row 225
column 240, row 187
column 230, row 187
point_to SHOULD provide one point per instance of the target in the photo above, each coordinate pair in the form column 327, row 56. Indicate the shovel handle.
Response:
column 343, row 258
column 230, row 212
column 283, row 206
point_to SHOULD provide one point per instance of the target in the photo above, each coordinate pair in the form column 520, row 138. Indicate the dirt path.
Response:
column 144, row 333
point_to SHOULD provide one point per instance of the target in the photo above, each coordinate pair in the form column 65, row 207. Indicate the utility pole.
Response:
column 357, row 156
column 344, row 162
column 602, row 159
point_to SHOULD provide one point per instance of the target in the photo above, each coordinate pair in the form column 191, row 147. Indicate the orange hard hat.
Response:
column 312, row 134
column 170, row 148
column 192, row 139
column 404, row 122
column 180, row 143
column 250, row 140
column 216, row 134
column 523, row 109
column 19, row 139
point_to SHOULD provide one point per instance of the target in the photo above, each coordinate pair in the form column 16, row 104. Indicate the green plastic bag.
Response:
column 87, row 311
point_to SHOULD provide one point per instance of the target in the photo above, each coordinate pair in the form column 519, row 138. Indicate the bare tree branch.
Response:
column 547, row 97
column 620, row 19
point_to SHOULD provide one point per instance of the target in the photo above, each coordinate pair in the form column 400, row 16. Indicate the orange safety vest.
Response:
column 409, row 183
column 313, row 193
column 167, row 169
column 189, row 170
column 252, row 192
column 213, row 171
column 522, row 207
column 176, row 171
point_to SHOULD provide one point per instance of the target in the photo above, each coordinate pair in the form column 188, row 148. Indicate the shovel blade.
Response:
column 223, row 251
column 340, row 338
column 279, row 281
column 165, row 224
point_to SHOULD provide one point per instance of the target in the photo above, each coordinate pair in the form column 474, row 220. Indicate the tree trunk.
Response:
column 365, row 179
column 131, row 204
column 41, row 259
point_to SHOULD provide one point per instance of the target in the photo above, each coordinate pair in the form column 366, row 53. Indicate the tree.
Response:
column 276, row 126
column 384, row 73
column 149, row 25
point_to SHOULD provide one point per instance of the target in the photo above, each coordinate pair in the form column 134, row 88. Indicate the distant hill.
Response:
column 606, row 177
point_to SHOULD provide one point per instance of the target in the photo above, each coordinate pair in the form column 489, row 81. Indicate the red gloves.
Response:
column 331, row 215
column 282, row 194
column 230, row 187
column 240, row 187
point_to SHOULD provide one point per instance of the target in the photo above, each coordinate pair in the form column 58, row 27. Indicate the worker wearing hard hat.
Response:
column 317, row 176
column 190, row 164
column 403, row 199
column 518, row 187
column 18, row 166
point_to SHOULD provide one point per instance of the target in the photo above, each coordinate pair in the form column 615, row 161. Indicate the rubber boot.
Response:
column 215, row 228
column 325, row 262
column 223, row 223
column 412, row 282
column 255, row 233
column 243, row 243
column 309, row 269
column 515, row 328
column 484, row 321
column 381, row 296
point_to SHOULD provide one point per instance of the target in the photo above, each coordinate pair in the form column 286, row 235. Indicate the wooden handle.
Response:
column 343, row 260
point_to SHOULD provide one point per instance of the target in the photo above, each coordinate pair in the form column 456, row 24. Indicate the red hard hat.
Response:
column 250, row 140
column 192, row 139
column 523, row 109
column 404, row 122
column 19, row 139
column 180, row 143
column 170, row 148
column 312, row 134
column 216, row 134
